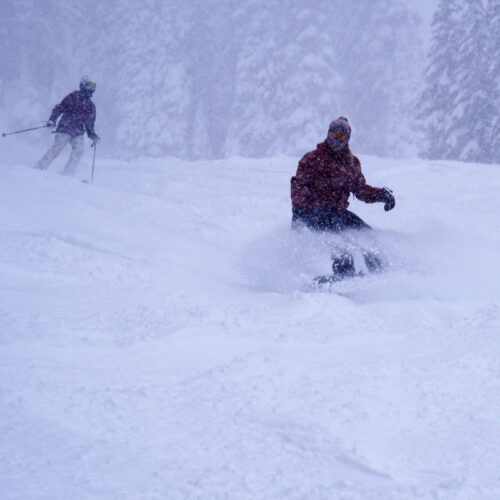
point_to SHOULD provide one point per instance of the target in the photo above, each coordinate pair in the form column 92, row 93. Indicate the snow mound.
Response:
column 157, row 341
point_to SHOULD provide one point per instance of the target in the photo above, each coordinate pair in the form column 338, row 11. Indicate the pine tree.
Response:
column 379, row 93
column 209, row 78
column 477, row 99
column 460, row 103
column 8, row 49
column 286, row 81
column 152, row 87
column 37, row 48
column 258, row 76
column 99, row 49
column 493, row 18
column 210, row 44
column 309, row 95
column 437, row 104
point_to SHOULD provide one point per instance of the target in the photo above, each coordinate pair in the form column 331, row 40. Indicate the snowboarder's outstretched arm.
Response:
column 370, row 194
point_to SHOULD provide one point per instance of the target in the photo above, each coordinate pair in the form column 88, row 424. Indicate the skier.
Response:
column 320, row 191
column 78, row 116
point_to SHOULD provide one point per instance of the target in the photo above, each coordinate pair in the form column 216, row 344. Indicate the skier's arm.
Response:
column 89, row 125
column 59, row 109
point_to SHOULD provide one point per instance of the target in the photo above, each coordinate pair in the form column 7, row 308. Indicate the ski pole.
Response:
column 21, row 131
column 93, row 163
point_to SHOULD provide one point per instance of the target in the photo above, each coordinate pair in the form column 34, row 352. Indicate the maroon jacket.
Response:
column 326, row 178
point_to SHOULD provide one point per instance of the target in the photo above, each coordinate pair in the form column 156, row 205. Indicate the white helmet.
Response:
column 87, row 85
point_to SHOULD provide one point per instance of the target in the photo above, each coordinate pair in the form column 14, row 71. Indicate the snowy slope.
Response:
column 158, row 342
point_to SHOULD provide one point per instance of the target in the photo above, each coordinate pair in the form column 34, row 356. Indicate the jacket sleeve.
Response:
column 60, row 108
column 299, row 184
column 90, row 122
column 361, row 189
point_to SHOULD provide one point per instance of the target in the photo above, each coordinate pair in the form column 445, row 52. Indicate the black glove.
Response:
column 50, row 124
column 387, row 197
column 95, row 140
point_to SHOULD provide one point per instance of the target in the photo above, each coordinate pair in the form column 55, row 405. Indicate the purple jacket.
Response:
column 78, row 115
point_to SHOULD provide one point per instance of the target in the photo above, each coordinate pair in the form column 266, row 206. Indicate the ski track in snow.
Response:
column 158, row 339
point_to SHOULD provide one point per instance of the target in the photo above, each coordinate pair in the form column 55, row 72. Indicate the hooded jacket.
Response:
column 326, row 178
column 78, row 112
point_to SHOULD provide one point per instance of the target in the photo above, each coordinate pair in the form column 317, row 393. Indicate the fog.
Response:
column 208, row 79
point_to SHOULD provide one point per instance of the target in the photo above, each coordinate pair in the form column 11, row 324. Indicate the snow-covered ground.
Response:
column 158, row 339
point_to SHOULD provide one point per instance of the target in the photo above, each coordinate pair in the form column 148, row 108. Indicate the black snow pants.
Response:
column 329, row 219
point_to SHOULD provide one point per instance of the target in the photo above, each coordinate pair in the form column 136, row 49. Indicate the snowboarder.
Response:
column 78, row 116
column 320, row 191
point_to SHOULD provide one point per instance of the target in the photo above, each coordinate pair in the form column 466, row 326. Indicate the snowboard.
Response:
column 331, row 279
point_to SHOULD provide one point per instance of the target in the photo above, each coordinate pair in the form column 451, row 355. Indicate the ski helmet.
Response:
column 87, row 85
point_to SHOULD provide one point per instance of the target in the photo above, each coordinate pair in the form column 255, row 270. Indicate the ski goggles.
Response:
column 90, row 86
column 338, row 134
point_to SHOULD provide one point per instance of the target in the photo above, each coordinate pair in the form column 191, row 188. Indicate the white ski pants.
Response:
column 60, row 140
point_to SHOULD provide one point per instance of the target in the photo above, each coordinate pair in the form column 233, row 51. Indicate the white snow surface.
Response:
column 159, row 339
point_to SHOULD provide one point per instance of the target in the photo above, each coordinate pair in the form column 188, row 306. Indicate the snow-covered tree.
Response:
column 381, row 62
column 210, row 43
column 258, row 75
column 477, row 98
column 287, row 84
column 493, row 17
column 151, row 80
column 437, row 105
column 309, row 95
column 459, row 106
column 207, row 78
